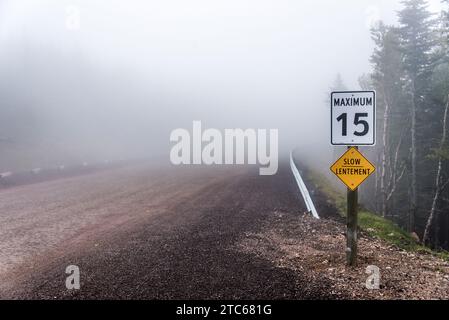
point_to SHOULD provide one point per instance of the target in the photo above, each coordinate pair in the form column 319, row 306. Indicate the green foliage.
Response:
column 387, row 56
column 371, row 223
column 440, row 83
column 416, row 36
column 411, row 77
column 436, row 153
column 379, row 227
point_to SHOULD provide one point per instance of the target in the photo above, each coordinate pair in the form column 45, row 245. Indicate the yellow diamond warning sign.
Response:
column 352, row 168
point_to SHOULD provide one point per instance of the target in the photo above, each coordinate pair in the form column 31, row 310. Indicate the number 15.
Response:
column 357, row 121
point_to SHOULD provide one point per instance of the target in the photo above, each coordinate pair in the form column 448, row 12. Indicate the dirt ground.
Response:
column 158, row 232
column 317, row 248
column 148, row 233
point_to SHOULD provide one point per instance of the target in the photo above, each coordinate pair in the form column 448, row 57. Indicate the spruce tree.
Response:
column 417, row 41
column 388, row 71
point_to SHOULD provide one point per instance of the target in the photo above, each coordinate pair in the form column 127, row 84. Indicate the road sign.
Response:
column 352, row 168
column 353, row 118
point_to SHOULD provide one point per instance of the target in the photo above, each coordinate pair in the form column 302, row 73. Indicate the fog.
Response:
column 90, row 80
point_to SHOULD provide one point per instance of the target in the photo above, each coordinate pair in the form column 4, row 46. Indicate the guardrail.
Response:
column 303, row 189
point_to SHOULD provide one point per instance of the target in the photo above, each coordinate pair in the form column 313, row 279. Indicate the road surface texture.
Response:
column 149, row 232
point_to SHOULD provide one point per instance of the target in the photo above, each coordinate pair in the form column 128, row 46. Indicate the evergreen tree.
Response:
column 417, row 42
column 445, row 31
column 338, row 84
column 388, row 71
column 440, row 96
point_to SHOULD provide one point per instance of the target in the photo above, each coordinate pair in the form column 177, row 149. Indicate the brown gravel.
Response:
column 147, row 232
column 316, row 247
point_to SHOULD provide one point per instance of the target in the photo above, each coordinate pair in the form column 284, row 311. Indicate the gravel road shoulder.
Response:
column 317, row 249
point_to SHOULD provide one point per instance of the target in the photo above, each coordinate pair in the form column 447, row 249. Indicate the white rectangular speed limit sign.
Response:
column 353, row 118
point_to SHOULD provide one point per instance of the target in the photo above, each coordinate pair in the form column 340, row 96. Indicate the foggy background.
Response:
column 94, row 80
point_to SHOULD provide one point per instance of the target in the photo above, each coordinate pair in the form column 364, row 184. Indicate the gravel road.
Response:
column 147, row 232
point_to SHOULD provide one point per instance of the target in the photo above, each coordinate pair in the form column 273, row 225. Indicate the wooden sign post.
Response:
column 353, row 124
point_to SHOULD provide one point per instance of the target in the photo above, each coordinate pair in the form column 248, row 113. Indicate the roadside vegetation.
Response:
column 370, row 222
column 410, row 73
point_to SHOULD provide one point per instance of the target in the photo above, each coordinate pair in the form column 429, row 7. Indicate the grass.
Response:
column 374, row 225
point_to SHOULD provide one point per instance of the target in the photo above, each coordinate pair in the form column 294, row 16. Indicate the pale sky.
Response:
column 260, row 62
column 174, row 30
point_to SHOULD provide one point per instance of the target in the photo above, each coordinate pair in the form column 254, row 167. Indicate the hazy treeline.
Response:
column 411, row 77
column 61, row 109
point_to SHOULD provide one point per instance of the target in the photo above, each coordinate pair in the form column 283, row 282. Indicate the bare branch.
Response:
column 396, row 182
